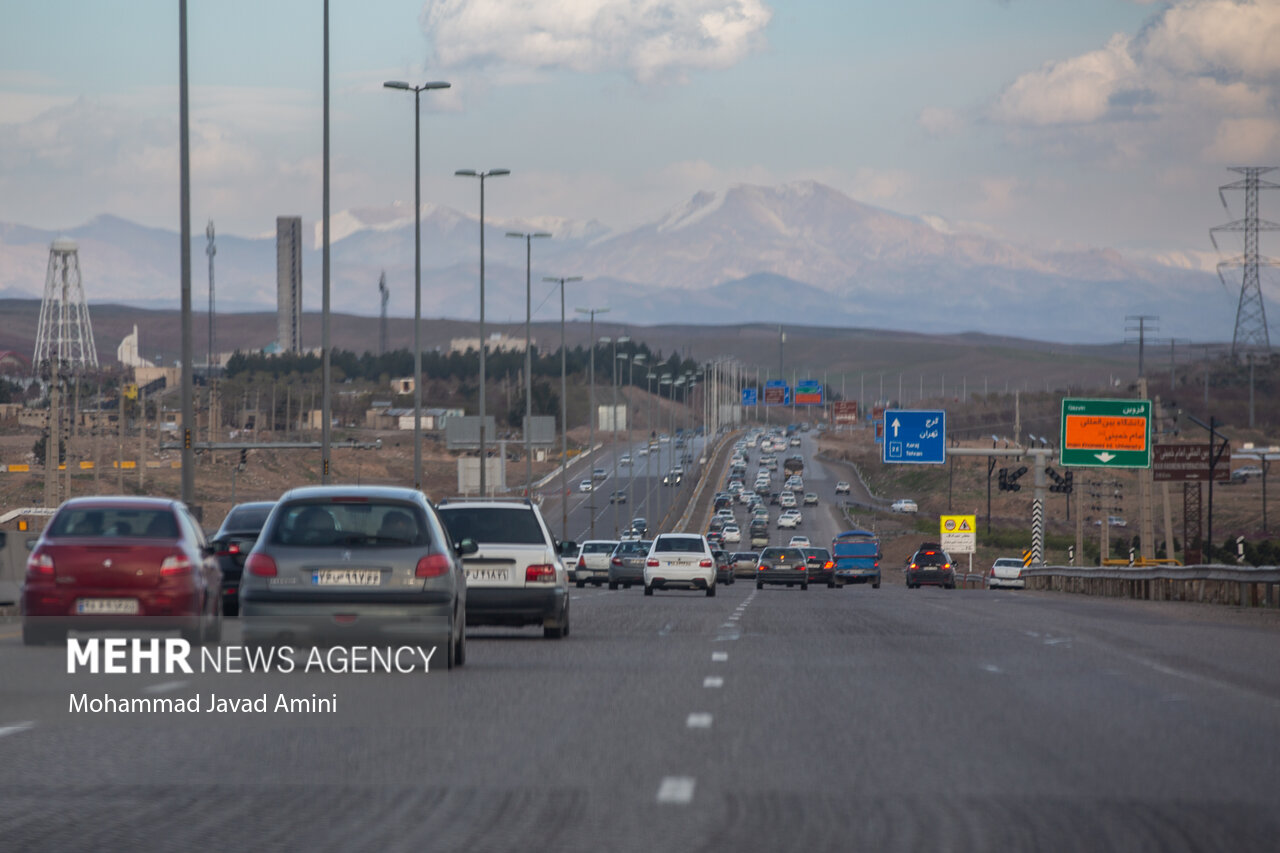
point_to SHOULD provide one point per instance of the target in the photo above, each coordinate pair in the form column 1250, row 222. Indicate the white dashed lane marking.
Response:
column 14, row 728
column 164, row 687
column 677, row 790
column 713, row 681
column 719, row 656
column 698, row 721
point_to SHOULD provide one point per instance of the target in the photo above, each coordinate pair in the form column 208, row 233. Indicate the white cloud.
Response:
column 1245, row 140
column 1076, row 90
column 1201, row 79
column 652, row 40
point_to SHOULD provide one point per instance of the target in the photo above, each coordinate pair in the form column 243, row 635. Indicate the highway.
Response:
column 773, row 720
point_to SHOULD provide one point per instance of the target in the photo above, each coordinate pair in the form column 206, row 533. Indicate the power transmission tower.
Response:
column 1251, row 316
column 382, row 326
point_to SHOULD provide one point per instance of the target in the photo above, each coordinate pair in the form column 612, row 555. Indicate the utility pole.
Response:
column 1141, row 327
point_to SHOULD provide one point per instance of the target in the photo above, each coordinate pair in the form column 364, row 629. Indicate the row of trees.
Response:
column 464, row 366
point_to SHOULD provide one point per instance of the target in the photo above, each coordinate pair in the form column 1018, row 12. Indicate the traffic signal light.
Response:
column 244, row 456
column 186, row 439
column 1063, row 484
column 1009, row 479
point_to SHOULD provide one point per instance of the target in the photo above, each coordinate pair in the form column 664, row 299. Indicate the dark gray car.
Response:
column 626, row 563
column 356, row 565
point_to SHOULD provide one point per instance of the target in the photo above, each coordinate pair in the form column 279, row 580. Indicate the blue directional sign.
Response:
column 749, row 396
column 915, row 436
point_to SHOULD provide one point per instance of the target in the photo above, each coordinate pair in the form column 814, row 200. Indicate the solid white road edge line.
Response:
column 15, row 728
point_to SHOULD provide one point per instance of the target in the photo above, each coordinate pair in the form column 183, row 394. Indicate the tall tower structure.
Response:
column 289, row 283
column 384, row 295
column 210, row 250
column 64, row 336
column 1251, row 316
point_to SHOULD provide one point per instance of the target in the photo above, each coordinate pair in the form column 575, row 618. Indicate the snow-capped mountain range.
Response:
column 800, row 253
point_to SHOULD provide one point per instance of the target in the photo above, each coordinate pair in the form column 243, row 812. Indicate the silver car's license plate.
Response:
column 346, row 577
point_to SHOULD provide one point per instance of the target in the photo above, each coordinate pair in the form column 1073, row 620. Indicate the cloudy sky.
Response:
column 1052, row 122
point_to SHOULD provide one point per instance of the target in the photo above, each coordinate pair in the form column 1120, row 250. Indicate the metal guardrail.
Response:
column 1244, row 586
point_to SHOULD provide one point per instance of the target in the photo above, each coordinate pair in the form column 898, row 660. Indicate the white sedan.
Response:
column 586, row 486
column 798, row 542
column 904, row 505
column 731, row 533
column 788, row 521
column 680, row 560
column 1006, row 571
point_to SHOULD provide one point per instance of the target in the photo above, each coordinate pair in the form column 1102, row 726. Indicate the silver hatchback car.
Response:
column 356, row 565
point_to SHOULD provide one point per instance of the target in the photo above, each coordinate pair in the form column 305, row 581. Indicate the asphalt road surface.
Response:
column 774, row 720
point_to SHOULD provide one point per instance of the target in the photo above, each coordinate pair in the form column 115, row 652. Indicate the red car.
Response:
column 125, row 563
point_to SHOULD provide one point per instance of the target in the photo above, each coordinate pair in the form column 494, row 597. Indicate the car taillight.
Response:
column 946, row 565
column 261, row 565
column 706, row 564
column 761, row 567
column 432, row 566
column 40, row 565
column 174, row 565
column 828, row 565
column 616, row 561
column 877, row 564
column 582, row 564
column 653, row 564
column 541, row 573
column 914, row 566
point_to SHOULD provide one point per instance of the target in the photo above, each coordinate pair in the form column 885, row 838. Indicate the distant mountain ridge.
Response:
column 800, row 253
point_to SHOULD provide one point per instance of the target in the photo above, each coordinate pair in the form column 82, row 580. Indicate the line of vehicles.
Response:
column 346, row 564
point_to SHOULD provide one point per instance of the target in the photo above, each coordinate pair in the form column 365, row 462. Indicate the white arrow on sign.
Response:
column 896, row 423
column 1104, row 457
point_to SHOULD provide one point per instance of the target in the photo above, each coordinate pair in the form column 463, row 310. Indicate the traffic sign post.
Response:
column 749, row 396
column 808, row 392
column 958, row 534
column 776, row 393
column 846, row 412
column 916, row 437
column 1106, row 433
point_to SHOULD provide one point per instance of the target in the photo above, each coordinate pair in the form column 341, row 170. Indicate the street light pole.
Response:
column 528, row 352
column 564, row 415
column 492, row 173
column 591, row 440
column 417, row 267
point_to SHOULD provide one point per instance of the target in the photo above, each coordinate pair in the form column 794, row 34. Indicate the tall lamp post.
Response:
column 564, row 414
column 591, row 439
column 665, row 380
column 636, row 358
column 417, row 266
column 648, row 456
column 528, row 351
column 492, row 173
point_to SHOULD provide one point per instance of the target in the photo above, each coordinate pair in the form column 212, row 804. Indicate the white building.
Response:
column 498, row 342
column 127, row 352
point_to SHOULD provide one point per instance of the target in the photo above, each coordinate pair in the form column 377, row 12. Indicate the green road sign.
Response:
column 1106, row 433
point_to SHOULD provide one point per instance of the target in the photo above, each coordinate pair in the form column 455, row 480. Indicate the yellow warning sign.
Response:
column 958, row 533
